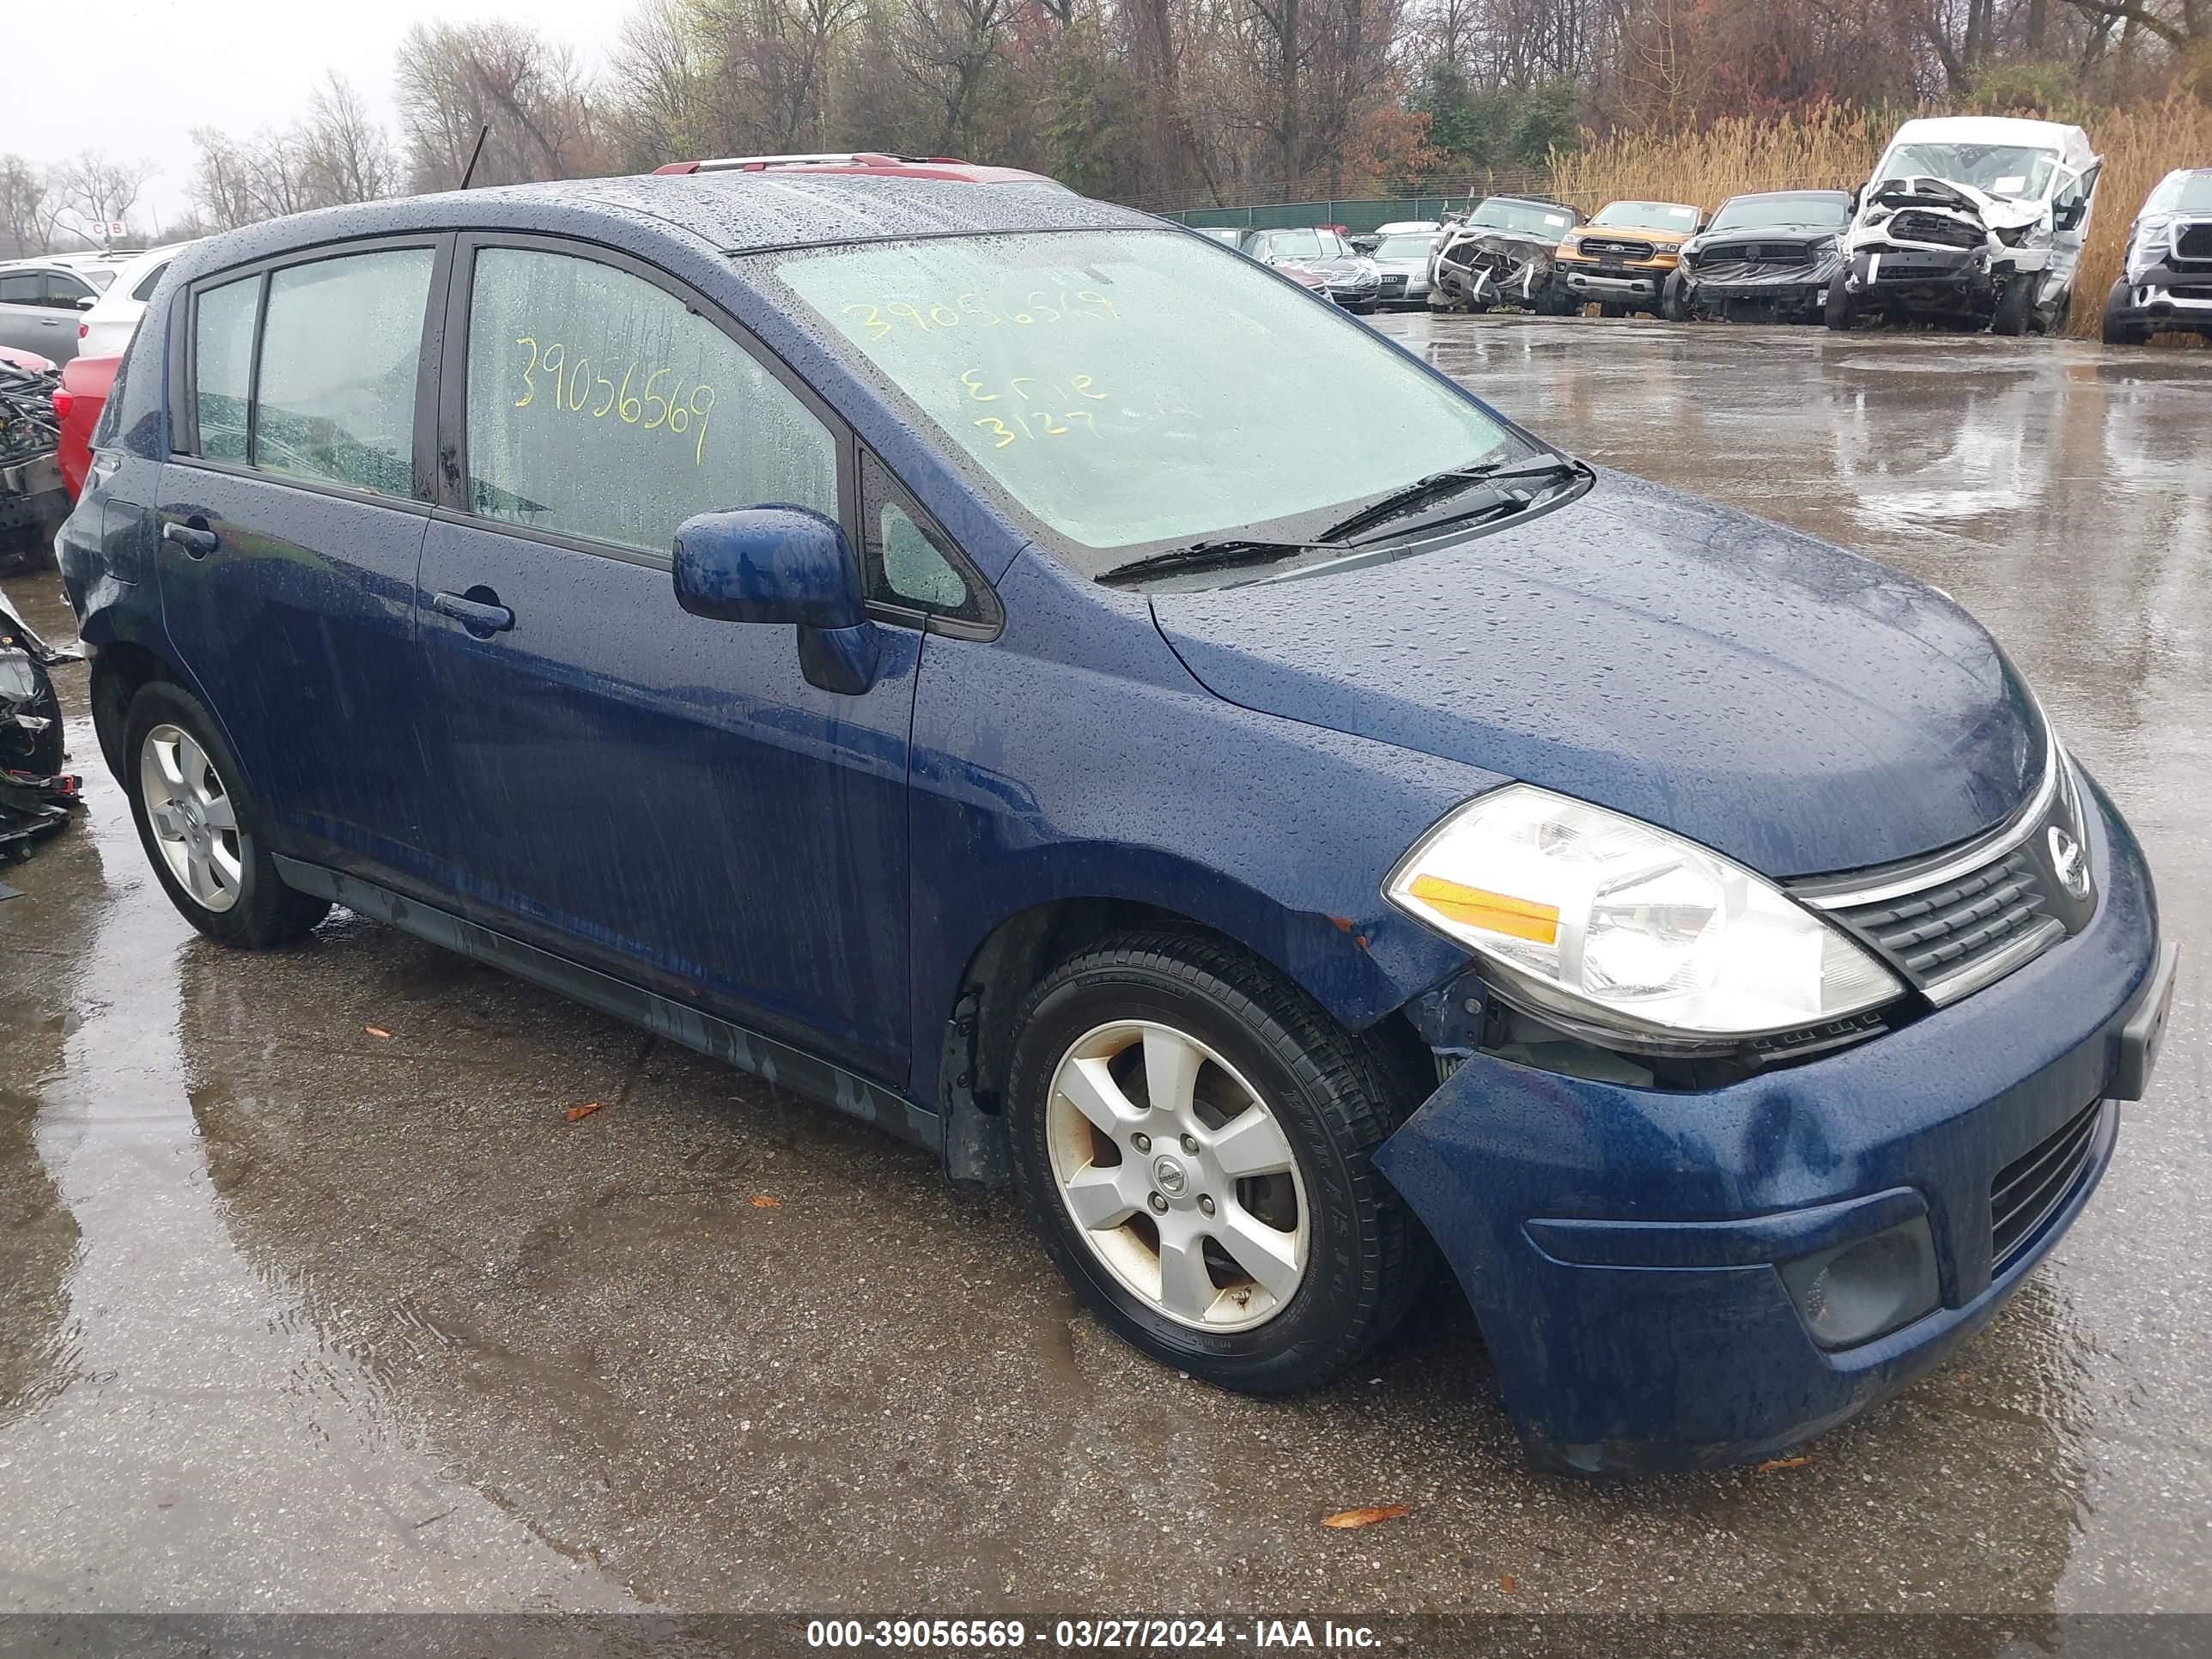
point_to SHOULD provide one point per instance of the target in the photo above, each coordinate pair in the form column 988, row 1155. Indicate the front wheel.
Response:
column 1841, row 312
column 1675, row 307
column 2119, row 328
column 1196, row 1137
column 2016, row 306
column 200, row 829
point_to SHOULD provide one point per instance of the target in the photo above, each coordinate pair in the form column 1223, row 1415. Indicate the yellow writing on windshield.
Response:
column 577, row 390
column 880, row 318
column 1033, row 406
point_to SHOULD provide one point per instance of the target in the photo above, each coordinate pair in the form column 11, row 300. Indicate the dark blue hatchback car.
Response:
column 1046, row 686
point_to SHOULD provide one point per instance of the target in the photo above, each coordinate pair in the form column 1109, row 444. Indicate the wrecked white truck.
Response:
column 1970, row 221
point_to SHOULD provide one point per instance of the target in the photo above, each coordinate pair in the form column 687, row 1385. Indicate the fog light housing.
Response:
column 1856, row 1292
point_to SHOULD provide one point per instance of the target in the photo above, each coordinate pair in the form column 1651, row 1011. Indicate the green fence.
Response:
column 1354, row 215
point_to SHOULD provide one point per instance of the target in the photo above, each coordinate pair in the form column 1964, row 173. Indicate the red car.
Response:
column 878, row 165
column 77, row 404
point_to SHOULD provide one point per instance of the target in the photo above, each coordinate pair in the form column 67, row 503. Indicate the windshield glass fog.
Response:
column 1647, row 215
column 1526, row 218
column 1766, row 212
column 2010, row 173
column 2184, row 193
column 1139, row 386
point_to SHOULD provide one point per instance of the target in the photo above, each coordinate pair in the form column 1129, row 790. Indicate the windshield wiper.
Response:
column 1226, row 555
column 1438, row 485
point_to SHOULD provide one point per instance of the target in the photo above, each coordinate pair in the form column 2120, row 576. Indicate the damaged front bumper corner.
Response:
column 1638, row 1258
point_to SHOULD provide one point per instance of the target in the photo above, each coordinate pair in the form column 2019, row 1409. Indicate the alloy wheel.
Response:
column 195, row 824
column 1177, row 1175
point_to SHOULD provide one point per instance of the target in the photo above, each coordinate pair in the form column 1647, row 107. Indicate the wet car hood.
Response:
column 1925, row 190
column 1712, row 239
column 1796, row 707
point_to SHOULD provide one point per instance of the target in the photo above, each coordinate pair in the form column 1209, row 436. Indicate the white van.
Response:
column 1969, row 220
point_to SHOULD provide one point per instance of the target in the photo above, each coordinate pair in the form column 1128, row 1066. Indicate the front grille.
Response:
column 1772, row 253
column 1959, row 926
column 1952, row 921
column 1915, row 226
column 1394, row 284
column 1614, row 250
column 2028, row 1191
column 2195, row 242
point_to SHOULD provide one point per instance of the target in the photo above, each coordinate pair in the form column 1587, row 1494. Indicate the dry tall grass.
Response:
column 1833, row 148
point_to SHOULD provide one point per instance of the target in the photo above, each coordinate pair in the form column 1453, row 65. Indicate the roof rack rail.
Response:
column 762, row 163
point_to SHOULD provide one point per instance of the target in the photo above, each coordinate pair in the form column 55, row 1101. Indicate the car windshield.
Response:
column 1763, row 212
column 1405, row 247
column 1131, row 387
column 2011, row 173
column 1524, row 218
column 1295, row 245
column 2184, row 193
column 1647, row 215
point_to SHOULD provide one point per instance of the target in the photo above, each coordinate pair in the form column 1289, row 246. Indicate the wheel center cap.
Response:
column 1169, row 1176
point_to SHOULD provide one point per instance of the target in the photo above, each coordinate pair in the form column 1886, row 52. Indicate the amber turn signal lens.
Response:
column 1496, row 912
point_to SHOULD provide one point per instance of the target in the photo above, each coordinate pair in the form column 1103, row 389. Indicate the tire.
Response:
column 2014, row 309
column 2118, row 331
column 231, row 892
column 1552, row 301
column 1244, row 1039
column 1840, row 312
column 1673, row 306
column 1607, row 309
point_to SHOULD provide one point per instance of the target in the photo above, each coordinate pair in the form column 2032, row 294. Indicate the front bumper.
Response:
column 1783, row 286
column 2170, row 296
column 1622, row 1246
column 1593, row 282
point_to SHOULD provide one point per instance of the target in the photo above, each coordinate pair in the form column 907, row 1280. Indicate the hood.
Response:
column 1659, row 239
column 1792, row 705
column 1403, row 267
column 1514, row 241
column 1993, row 212
column 1800, row 234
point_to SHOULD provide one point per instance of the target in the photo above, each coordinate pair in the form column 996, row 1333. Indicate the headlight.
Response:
column 2152, row 241
column 1616, row 922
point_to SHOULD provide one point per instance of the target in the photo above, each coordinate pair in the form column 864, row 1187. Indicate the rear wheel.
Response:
column 2119, row 328
column 1194, row 1138
column 201, row 829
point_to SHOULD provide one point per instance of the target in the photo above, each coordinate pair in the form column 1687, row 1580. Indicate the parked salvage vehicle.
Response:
column 1354, row 281
column 30, row 712
column 43, row 301
column 1623, row 256
column 32, row 499
column 106, row 327
column 2166, row 286
column 1970, row 221
column 78, row 400
column 1368, row 240
column 1500, row 254
column 1296, row 848
column 1765, row 258
column 1403, row 257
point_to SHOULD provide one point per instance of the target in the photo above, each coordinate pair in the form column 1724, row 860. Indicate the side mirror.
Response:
column 782, row 564
column 85, row 302
column 2070, row 216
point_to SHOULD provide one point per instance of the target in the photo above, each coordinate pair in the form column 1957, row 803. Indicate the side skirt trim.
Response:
column 775, row 1063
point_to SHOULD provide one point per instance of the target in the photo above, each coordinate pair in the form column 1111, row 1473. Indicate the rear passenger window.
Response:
column 603, row 407
column 26, row 289
column 222, row 358
column 338, row 363
column 149, row 283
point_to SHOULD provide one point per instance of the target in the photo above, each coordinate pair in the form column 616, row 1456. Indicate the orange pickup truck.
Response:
column 1623, row 256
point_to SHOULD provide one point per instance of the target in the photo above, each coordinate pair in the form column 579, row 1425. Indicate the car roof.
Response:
column 2071, row 143
column 1533, row 201
column 733, row 213
column 871, row 163
column 1765, row 195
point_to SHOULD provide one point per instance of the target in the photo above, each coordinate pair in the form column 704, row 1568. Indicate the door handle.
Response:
column 197, row 540
column 478, row 611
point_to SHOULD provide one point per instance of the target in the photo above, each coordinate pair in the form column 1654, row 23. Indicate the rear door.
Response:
column 659, row 794
column 291, row 521
column 27, row 322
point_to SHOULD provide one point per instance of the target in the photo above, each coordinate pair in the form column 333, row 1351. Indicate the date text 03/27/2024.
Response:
column 1126, row 1635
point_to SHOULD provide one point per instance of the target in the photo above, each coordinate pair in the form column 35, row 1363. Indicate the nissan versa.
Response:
column 1049, row 687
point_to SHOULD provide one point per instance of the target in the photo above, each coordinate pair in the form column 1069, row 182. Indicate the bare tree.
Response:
column 22, row 201
column 452, row 79
column 348, row 158
column 946, row 48
column 97, row 191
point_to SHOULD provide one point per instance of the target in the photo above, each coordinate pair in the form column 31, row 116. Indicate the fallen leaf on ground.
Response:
column 1367, row 1518
column 1506, row 1584
column 762, row 1201
column 376, row 1031
column 578, row 1113
column 1797, row 1462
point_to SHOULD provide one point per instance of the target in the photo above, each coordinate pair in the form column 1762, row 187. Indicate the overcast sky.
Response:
column 134, row 77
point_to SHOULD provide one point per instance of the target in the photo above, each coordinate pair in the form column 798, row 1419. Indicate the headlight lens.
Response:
column 2148, row 245
column 1618, row 922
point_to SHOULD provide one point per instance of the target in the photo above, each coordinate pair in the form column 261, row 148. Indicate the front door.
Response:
column 291, row 524
column 661, row 795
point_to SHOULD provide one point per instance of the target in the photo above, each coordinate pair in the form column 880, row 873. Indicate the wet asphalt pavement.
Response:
column 293, row 1315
